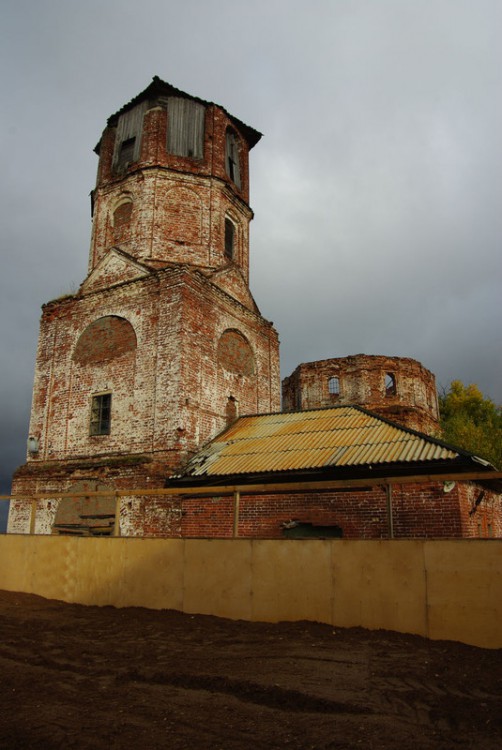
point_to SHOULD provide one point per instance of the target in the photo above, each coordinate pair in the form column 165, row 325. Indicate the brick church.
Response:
column 162, row 360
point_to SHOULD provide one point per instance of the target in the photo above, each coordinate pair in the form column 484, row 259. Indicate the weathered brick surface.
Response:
column 166, row 208
column 419, row 511
column 362, row 382
column 165, row 322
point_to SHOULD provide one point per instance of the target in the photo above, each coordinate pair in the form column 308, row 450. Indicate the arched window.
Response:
column 390, row 384
column 334, row 385
column 232, row 157
column 232, row 410
column 229, row 238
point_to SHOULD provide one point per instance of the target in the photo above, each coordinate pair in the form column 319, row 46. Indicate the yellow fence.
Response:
column 439, row 589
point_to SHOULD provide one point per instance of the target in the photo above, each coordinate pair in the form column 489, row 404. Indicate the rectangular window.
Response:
column 390, row 384
column 101, row 414
column 126, row 153
column 232, row 158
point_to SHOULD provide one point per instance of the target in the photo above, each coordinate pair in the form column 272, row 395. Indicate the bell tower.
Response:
column 163, row 345
column 173, row 183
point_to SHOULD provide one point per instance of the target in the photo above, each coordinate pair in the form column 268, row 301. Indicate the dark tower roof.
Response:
column 160, row 88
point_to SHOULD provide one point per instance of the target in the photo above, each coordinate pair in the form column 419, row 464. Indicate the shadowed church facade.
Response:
column 153, row 368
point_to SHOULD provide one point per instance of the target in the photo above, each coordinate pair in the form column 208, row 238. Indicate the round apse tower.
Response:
column 397, row 388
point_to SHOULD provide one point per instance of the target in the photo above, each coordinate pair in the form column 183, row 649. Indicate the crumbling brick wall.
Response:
column 169, row 376
column 165, row 208
column 164, row 327
column 363, row 380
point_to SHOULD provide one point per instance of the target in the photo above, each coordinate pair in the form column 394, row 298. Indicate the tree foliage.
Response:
column 471, row 421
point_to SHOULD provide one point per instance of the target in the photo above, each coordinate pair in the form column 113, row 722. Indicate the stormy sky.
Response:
column 377, row 188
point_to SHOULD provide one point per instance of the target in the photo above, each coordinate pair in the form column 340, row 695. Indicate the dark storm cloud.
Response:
column 376, row 188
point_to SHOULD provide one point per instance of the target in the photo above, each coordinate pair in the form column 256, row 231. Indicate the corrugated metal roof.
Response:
column 324, row 438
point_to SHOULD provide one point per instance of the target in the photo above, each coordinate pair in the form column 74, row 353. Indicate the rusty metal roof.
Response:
column 343, row 436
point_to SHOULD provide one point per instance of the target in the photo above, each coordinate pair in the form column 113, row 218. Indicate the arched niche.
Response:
column 235, row 354
column 86, row 515
column 121, row 219
column 122, row 213
column 105, row 339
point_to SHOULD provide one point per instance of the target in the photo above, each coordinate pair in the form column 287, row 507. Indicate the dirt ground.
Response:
column 98, row 677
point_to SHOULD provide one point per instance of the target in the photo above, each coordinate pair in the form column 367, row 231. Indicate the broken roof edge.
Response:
column 158, row 87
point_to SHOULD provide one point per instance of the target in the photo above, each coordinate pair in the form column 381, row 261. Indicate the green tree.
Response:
column 472, row 422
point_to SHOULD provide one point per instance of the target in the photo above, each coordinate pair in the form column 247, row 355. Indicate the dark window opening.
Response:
column 232, row 410
column 301, row 530
column 390, row 384
column 229, row 238
column 126, row 152
column 232, row 158
column 334, row 386
column 101, row 414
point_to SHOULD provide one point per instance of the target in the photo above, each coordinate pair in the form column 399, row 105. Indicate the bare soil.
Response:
column 98, row 677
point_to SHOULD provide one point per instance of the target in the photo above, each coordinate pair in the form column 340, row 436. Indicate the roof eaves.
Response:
column 366, row 472
column 198, row 469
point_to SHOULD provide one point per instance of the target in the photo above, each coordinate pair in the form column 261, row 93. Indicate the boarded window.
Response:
column 229, row 238
column 101, row 407
column 390, row 384
column 334, row 386
column 128, row 137
column 185, row 129
column 232, row 157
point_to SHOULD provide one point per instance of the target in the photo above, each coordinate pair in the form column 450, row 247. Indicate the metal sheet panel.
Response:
column 342, row 436
column 185, row 130
column 130, row 125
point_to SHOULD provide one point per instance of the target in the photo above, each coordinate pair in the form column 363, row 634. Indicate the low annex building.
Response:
column 163, row 348
column 336, row 472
